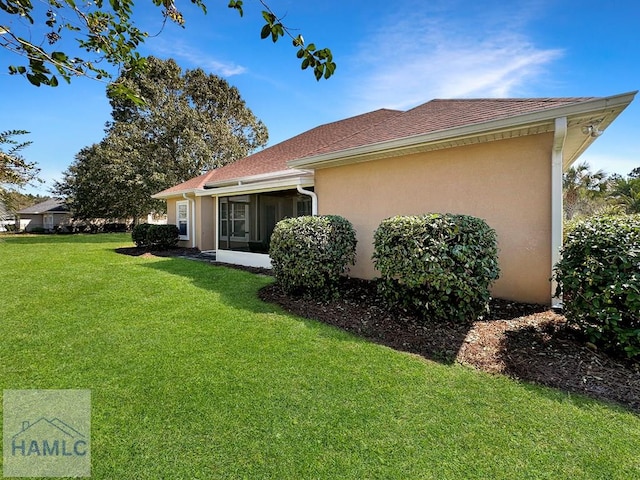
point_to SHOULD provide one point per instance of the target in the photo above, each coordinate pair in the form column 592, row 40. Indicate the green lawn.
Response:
column 193, row 377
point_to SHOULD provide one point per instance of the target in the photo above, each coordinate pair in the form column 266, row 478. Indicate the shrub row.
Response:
column 309, row 254
column 440, row 266
column 599, row 279
column 155, row 236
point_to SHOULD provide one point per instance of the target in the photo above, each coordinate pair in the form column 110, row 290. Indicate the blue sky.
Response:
column 390, row 55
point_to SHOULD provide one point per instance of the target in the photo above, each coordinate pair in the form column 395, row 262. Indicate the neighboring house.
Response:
column 498, row 159
column 45, row 215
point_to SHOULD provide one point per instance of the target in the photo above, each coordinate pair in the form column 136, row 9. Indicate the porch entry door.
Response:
column 270, row 214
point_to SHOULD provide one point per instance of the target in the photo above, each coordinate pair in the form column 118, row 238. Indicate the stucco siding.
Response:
column 506, row 183
column 205, row 223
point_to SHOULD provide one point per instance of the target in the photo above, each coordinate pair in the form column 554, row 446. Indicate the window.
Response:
column 182, row 219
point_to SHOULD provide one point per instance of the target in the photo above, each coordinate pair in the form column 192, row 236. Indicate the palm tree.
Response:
column 581, row 189
column 626, row 192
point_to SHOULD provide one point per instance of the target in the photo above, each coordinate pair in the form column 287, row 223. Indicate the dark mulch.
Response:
column 527, row 342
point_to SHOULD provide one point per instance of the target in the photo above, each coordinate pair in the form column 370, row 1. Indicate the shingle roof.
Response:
column 439, row 115
column 374, row 127
column 275, row 158
column 51, row 205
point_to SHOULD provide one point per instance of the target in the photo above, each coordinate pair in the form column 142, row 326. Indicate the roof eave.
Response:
column 175, row 193
column 525, row 124
column 265, row 185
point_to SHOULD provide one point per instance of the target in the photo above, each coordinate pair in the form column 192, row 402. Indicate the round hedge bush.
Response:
column 155, row 236
column 139, row 234
column 309, row 254
column 440, row 266
column 599, row 279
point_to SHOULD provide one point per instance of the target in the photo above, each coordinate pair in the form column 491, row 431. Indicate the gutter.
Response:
column 559, row 137
column 314, row 199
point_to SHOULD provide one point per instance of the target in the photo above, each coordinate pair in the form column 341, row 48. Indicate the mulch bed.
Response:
column 527, row 342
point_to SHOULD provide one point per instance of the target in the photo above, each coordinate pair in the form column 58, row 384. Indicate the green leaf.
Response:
column 266, row 31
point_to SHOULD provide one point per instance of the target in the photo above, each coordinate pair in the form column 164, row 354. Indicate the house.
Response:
column 44, row 216
column 498, row 159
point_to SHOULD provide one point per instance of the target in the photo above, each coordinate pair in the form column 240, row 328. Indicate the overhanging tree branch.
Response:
column 108, row 33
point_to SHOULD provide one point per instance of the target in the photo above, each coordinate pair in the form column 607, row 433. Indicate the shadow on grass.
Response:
column 237, row 288
column 544, row 354
column 360, row 311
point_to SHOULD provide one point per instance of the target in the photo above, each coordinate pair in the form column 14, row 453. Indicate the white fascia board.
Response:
column 290, row 172
column 258, row 187
column 177, row 193
column 467, row 131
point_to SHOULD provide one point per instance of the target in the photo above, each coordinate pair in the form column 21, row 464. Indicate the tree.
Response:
column 582, row 189
column 15, row 200
column 191, row 123
column 626, row 191
column 109, row 183
column 107, row 33
column 15, row 171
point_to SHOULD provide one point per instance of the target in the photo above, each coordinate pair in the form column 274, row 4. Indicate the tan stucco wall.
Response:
column 204, row 221
column 507, row 183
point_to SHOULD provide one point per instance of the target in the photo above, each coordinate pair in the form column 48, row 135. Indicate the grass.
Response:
column 194, row 377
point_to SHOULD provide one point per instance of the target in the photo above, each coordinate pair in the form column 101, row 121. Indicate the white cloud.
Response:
column 411, row 61
column 184, row 53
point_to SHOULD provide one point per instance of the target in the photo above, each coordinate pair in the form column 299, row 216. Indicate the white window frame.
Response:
column 228, row 222
column 185, row 218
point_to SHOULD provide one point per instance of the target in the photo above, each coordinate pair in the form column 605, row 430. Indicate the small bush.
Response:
column 599, row 279
column 37, row 230
column 309, row 254
column 139, row 235
column 163, row 236
column 440, row 266
column 155, row 236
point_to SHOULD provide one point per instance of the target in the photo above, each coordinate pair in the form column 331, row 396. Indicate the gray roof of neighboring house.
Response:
column 52, row 205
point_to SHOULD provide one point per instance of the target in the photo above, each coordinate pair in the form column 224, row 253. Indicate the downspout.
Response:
column 559, row 137
column 193, row 219
column 314, row 199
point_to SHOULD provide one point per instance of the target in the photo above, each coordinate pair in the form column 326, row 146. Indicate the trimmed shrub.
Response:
column 309, row 254
column 440, row 266
column 139, row 235
column 163, row 236
column 599, row 279
column 155, row 236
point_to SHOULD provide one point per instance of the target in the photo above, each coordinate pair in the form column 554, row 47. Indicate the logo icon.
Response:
column 48, row 438
column 47, row 433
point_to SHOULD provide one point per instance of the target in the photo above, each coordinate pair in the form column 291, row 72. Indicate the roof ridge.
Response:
column 510, row 99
